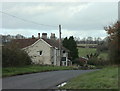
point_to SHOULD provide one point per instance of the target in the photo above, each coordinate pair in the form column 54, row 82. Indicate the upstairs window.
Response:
column 39, row 52
column 64, row 51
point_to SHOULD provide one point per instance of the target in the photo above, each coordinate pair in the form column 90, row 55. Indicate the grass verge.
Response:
column 12, row 71
column 106, row 78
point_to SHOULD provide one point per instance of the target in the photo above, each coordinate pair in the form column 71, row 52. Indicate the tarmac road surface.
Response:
column 42, row 80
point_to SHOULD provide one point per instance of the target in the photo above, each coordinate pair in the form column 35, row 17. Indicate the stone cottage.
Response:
column 44, row 51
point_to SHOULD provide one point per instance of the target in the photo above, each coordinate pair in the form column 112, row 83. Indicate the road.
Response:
column 43, row 80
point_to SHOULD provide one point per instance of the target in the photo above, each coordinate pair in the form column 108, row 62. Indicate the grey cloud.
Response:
column 94, row 16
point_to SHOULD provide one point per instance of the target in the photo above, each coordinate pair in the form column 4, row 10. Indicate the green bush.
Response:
column 94, row 60
column 12, row 57
column 98, row 62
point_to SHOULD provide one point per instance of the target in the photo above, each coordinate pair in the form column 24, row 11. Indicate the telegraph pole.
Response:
column 60, row 42
column 119, row 11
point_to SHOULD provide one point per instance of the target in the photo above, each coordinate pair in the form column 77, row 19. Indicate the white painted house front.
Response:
column 44, row 51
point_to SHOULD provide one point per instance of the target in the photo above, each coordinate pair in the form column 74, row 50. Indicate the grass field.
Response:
column 106, row 78
column 84, row 51
column 87, row 44
column 10, row 71
column 104, row 55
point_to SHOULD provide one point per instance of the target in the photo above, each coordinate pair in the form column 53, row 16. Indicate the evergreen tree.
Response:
column 71, row 45
column 65, row 42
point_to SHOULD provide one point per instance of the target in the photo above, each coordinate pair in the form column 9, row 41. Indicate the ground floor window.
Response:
column 52, row 62
column 63, row 58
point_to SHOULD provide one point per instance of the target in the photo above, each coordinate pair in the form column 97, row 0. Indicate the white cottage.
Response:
column 44, row 51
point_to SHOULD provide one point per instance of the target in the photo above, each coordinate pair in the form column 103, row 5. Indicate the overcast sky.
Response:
column 80, row 19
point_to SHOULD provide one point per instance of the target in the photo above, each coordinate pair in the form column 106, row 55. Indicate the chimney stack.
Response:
column 38, row 35
column 52, row 36
column 44, row 35
column 33, row 37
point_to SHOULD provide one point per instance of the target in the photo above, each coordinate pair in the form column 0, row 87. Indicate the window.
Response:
column 63, row 58
column 40, row 52
column 52, row 62
column 63, row 51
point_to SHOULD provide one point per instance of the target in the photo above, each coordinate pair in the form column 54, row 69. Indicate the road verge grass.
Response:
column 106, row 78
column 12, row 71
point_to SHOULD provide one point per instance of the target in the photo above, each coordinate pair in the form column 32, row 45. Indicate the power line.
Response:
column 27, row 20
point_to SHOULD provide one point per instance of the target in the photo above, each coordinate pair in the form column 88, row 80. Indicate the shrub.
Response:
column 98, row 62
column 81, row 61
column 94, row 60
column 14, row 57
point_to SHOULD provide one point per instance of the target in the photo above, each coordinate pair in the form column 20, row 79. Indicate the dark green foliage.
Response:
column 71, row 45
column 12, row 57
column 92, row 60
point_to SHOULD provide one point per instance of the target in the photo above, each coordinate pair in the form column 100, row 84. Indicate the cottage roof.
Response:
column 54, row 43
column 22, row 43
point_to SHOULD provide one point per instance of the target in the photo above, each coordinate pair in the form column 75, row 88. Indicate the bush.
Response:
column 94, row 60
column 98, row 62
column 12, row 57
column 81, row 61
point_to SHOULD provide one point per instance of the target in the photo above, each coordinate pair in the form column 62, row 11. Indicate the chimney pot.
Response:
column 52, row 36
column 44, row 35
column 33, row 37
column 38, row 35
